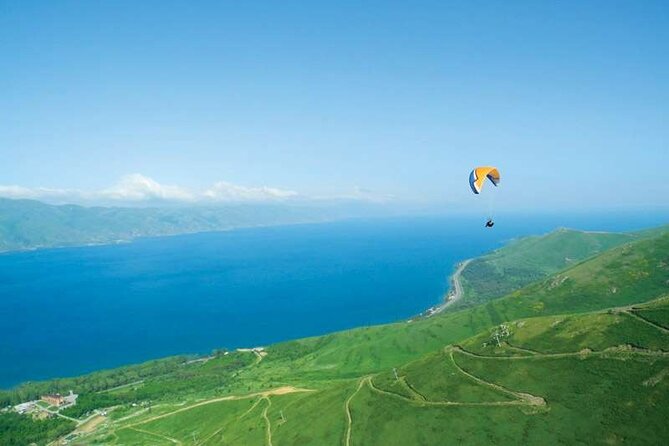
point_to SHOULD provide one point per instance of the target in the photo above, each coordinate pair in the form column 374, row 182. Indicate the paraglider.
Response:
column 478, row 176
column 476, row 181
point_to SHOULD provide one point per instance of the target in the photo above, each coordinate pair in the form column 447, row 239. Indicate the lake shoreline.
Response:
column 287, row 279
column 454, row 293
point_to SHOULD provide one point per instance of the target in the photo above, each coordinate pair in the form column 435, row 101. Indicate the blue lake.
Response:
column 68, row 311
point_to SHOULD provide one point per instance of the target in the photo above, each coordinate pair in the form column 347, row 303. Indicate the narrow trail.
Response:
column 268, row 423
column 143, row 411
column 212, row 435
column 419, row 396
column 646, row 321
column 442, row 403
column 278, row 391
column 58, row 414
column 133, row 415
column 347, row 409
column 531, row 400
column 164, row 437
column 584, row 353
column 521, row 349
column 90, row 423
column 250, row 409
column 217, row 431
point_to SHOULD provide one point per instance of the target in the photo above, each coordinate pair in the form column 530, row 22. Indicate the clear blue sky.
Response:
column 569, row 99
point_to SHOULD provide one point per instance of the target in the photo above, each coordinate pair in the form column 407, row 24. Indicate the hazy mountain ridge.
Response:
column 29, row 224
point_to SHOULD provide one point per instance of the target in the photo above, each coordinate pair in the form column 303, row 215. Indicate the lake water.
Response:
column 68, row 311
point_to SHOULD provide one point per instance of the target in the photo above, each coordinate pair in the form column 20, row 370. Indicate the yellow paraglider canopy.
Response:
column 478, row 176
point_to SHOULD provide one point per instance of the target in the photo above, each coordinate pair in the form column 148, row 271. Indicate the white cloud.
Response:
column 137, row 188
column 223, row 191
column 18, row 192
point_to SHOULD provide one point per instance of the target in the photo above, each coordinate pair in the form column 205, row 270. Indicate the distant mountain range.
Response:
column 29, row 224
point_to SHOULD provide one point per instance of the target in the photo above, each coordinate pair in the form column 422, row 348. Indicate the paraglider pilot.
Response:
column 478, row 177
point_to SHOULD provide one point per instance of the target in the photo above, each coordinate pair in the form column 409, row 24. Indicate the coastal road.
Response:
column 456, row 292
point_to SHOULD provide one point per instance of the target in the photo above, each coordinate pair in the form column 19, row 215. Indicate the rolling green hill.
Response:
column 578, row 357
column 529, row 259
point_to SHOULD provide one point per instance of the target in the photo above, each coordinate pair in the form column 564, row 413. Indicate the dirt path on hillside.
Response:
column 531, row 400
column 419, row 396
column 445, row 403
column 646, row 321
column 250, row 409
column 582, row 354
column 268, row 423
column 90, row 424
column 520, row 349
column 218, row 431
column 164, row 437
column 347, row 409
column 278, row 391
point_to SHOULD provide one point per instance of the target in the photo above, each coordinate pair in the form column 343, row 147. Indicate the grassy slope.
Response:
column 599, row 395
column 590, row 399
column 613, row 395
column 529, row 259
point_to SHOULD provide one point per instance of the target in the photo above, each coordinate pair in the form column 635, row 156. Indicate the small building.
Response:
column 71, row 399
column 58, row 400
column 54, row 399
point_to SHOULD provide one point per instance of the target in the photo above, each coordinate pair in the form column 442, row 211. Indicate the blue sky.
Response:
column 337, row 99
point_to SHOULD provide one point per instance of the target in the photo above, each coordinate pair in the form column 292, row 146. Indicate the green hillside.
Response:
column 529, row 259
column 581, row 356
